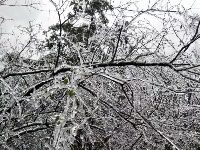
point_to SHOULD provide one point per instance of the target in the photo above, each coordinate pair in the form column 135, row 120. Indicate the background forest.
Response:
column 104, row 77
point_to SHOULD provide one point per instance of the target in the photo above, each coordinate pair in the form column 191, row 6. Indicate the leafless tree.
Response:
column 120, row 77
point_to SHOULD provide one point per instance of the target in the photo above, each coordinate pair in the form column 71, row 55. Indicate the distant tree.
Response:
column 109, row 78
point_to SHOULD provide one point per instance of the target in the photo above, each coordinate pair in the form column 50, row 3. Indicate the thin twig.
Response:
column 118, row 39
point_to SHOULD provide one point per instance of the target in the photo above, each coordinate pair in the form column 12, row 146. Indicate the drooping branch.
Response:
column 97, row 65
column 70, row 68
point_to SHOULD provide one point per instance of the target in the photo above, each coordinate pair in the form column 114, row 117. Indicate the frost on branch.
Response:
column 105, row 80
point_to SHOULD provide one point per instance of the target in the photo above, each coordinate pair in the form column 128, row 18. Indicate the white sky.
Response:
column 21, row 16
column 18, row 17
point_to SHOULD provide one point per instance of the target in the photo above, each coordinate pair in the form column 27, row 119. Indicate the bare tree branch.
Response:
column 118, row 40
column 25, row 73
column 195, row 37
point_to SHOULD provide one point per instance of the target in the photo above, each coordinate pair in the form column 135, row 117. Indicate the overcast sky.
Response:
column 46, row 15
column 22, row 15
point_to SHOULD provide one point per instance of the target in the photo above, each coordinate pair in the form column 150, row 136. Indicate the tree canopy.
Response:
column 110, row 77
